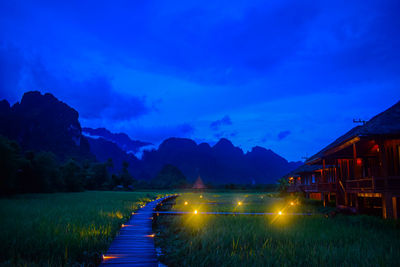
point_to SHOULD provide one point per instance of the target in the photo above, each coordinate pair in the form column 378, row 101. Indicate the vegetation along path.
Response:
column 134, row 246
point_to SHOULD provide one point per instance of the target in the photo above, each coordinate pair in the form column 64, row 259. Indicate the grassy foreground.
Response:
column 64, row 228
column 277, row 240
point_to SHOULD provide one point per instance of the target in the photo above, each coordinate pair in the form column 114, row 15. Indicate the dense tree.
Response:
column 125, row 178
column 169, row 177
column 10, row 163
column 283, row 185
column 72, row 175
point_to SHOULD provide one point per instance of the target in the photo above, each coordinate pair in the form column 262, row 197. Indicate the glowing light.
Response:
column 280, row 212
column 186, row 202
column 195, row 212
column 109, row 257
column 292, row 203
column 239, row 203
column 201, row 196
column 152, row 235
column 123, row 225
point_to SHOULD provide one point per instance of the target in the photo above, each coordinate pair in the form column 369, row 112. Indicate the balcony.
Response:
column 374, row 184
column 327, row 187
column 293, row 188
column 310, row 188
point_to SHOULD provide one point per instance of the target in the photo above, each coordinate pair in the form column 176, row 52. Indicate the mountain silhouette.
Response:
column 43, row 123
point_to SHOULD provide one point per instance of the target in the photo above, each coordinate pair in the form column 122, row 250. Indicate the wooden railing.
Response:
column 294, row 188
column 310, row 188
column 360, row 184
column 376, row 184
column 327, row 187
column 371, row 184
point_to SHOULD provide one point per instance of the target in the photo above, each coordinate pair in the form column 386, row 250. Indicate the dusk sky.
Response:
column 285, row 75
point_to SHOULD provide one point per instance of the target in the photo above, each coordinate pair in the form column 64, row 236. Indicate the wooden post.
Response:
column 394, row 201
column 323, row 171
column 387, row 205
column 357, row 204
column 354, row 161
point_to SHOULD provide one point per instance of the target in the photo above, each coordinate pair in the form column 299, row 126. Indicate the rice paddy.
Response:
column 280, row 239
column 63, row 229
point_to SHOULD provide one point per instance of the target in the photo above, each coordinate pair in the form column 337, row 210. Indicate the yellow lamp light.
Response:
column 195, row 211
column 280, row 212
column 239, row 203
column 186, row 202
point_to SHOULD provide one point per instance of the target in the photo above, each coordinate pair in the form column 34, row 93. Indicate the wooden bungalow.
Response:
column 365, row 172
column 307, row 179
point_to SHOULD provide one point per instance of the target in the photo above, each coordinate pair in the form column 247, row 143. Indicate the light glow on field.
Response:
column 186, row 202
column 280, row 212
column 109, row 257
column 195, row 211
column 239, row 203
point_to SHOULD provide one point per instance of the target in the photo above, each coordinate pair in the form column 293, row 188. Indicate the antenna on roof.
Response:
column 359, row 121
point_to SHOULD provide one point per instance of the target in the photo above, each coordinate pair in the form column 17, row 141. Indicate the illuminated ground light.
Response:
column 186, row 202
column 292, row 203
column 195, row 212
column 123, row 225
column 280, row 213
column 201, row 196
column 109, row 257
column 239, row 203
column 152, row 235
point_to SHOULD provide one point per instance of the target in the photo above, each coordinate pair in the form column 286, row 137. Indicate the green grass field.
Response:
column 284, row 240
column 63, row 228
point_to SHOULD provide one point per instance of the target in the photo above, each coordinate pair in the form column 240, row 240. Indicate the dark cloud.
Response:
column 186, row 129
column 283, row 134
column 215, row 125
column 93, row 97
column 203, row 59
column 158, row 133
column 11, row 67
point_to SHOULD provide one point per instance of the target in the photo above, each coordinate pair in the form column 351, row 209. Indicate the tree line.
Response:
column 41, row 172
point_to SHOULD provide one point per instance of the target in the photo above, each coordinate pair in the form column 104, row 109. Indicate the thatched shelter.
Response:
column 199, row 184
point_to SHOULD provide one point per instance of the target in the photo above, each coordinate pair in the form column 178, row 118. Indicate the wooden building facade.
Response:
column 361, row 169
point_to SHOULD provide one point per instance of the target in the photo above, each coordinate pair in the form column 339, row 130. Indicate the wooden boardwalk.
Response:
column 134, row 246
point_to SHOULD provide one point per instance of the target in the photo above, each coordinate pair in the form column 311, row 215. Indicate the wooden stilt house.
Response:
column 364, row 166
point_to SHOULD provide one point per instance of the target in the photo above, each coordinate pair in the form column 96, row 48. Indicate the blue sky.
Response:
column 286, row 75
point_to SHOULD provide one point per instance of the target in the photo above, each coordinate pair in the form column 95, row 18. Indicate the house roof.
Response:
column 303, row 169
column 385, row 123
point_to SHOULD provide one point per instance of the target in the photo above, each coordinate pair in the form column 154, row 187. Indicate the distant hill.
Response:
column 43, row 123
column 104, row 150
column 220, row 164
column 121, row 139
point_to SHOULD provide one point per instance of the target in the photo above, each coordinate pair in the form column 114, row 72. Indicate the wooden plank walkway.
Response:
column 134, row 246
